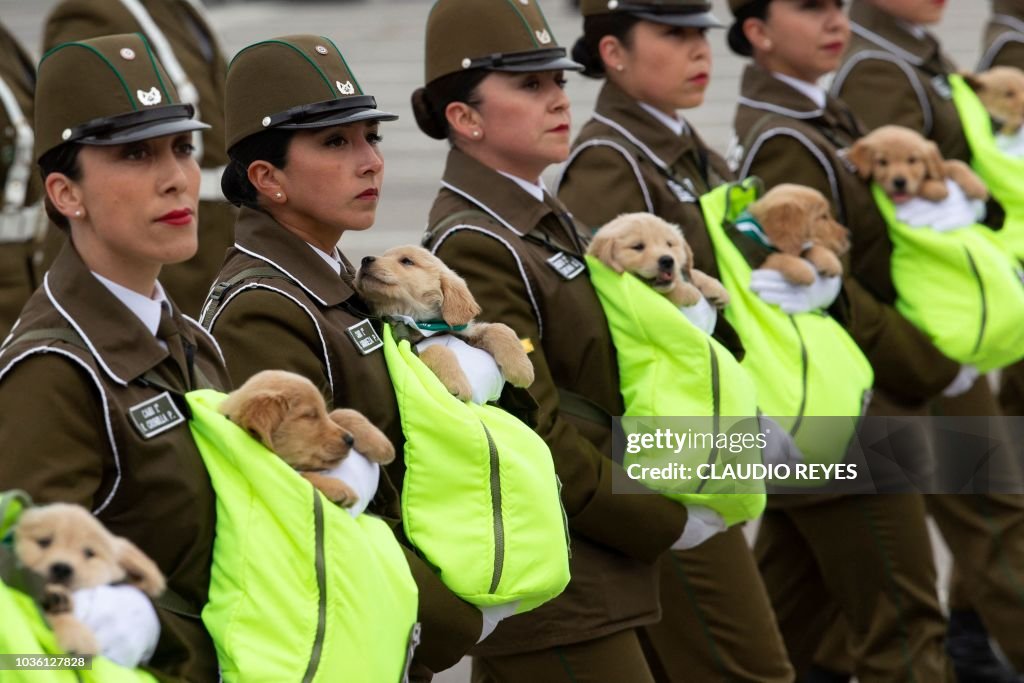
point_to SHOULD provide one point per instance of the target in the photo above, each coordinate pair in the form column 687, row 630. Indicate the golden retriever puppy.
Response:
column 287, row 414
column 71, row 550
column 907, row 165
column 1001, row 90
column 655, row 251
column 798, row 222
column 410, row 281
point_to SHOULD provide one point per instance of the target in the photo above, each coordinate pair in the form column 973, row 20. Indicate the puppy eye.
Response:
column 670, row 244
column 89, row 554
column 310, row 415
column 912, row 160
column 883, row 162
column 406, row 261
column 44, row 542
column 639, row 246
column 1010, row 93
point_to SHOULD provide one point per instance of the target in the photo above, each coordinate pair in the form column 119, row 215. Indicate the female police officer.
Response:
column 494, row 91
column 99, row 347
column 305, row 168
column 636, row 154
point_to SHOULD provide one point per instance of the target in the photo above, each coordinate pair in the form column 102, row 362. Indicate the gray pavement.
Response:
column 383, row 42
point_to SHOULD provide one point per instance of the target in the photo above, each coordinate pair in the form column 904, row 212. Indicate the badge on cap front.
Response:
column 566, row 265
column 364, row 337
column 155, row 416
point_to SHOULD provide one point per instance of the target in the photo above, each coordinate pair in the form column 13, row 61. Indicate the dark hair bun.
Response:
column 593, row 65
column 428, row 118
column 234, row 183
column 737, row 39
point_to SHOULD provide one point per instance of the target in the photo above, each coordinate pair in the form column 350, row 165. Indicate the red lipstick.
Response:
column 177, row 217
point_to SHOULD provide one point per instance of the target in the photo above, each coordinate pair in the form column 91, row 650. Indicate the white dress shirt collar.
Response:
column 146, row 309
column 673, row 123
column 536, row 190
column 331, row 259
column 812, row 91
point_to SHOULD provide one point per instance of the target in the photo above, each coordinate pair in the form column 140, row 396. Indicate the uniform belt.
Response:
column 20, row 225
column 209, row 184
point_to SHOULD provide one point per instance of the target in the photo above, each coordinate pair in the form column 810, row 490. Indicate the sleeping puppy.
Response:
column 908, row 165
column 655, row 251
column 72, row 550
column 797, row 221
column 1001, row 90
column 410, row 282
column 287, row 414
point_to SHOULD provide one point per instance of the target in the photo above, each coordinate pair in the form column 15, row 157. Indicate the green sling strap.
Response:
column 23, row 629
column 480, row 498
column 805, row 365
column 674, row 376
column 299, row 590
column 960, row 287
column 1001, row 172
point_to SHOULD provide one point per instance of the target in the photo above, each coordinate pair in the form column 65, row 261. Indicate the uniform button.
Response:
column 321, row 49
column 612, row 4
column 66, row 134
column 127, row 53
column 266, row 121
column 466, row 63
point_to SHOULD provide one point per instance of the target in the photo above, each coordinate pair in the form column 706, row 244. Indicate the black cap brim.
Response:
column 155, row 129
column 550, row 64
column 340, row 118
column 688, row 19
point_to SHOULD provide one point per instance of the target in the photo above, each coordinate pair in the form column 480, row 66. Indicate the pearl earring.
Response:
column 767, row 45
column 278, row 195
column 619, row 67
column 476, row 133
column 78, row 213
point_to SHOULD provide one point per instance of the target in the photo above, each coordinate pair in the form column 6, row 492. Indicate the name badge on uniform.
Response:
column 565, row 265
column 683, row 194
column 941, row 85
column 364, row 337
column 155, row 416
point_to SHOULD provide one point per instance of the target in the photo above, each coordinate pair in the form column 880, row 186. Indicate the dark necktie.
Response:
column 180, row 350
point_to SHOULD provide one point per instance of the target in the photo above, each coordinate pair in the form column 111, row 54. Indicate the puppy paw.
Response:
column 369, row 440
column 73, row 636
column 503, row 344
column 443, row 363
column 56, row 599
column 712, row 289
column 684, row 294
column 827, row 263
column 934, row 190
column 968, row 180
column 336, row 490
column 796, row 270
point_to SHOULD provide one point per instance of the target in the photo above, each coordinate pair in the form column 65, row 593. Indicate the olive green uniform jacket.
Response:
column 624, row 160
column 1003, row 43
column 67, row 436
column 19, row 274
column 785, row 137
column 183, row 28
column 501, row 240
column 299, row 321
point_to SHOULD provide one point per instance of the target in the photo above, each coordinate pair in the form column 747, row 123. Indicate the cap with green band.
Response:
column 497, row 35
column 106, row 91
column 691, row 13
column 294, row 82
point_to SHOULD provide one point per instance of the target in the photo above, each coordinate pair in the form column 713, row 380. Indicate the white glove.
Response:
column 773, row 288
column 362, row 475
column 123, row 620
column 1011, row 145
column 479, row 366
column 493, row 616
column 955, row 211
column 701, row 524
column 963, row 381
column 702, row 314
column 780, row 449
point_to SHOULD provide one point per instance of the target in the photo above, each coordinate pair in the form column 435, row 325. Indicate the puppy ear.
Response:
column 602, row 247
column 933, row 162
column 458, row 307
column 140, row 571
column 688, row 266
column 785, row 221
column 860, row 156
column 973, row 81
column 260, row 414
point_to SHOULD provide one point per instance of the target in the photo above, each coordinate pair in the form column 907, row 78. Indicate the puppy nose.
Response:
column 367, row 260
column 60, row 572
column 348, row 439
column 666, row 263
column 899, row 182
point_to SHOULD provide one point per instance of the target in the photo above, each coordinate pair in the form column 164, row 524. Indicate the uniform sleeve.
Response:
column 52, row 431
column 262, row 330
column 1010, row 54
column 907, row 364
column 599, row 185
column 901, row 105
column 586, row 474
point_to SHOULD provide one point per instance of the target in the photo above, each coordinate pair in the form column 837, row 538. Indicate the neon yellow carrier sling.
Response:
column 1000, row 171
column 23, row 629
column 805, row 366
column 480, row 500
column 674, row 376
column 961, row 288
column 299, row 590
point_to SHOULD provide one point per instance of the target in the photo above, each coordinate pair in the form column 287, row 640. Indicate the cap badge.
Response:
column 345, row 88
column 320, row 49
column 150, row 97
column 543, row 36
column 127, row 53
